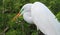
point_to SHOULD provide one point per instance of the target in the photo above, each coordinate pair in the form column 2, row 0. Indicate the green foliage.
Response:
column 9, row 8
column 11, row 32
column 58, row 16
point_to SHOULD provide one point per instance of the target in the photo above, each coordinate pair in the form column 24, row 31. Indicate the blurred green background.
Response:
column 9, row 8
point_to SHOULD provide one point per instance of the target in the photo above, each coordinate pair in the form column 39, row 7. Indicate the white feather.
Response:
column 44, row 19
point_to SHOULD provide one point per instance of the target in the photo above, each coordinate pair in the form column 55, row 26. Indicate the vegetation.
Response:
column 9, row 8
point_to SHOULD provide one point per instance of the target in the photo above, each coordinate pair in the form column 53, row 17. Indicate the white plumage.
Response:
column 27, row 13
column 42, row 17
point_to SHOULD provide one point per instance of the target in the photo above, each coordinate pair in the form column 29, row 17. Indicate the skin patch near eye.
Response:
column 21, row 10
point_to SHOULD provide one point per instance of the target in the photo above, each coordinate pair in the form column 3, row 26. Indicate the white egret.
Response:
column 42, row 17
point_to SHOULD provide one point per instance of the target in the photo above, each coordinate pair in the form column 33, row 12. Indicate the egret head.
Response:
column 26, row 12
column 26, row 8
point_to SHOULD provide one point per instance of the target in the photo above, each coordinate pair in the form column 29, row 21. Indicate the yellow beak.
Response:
column 14, row 18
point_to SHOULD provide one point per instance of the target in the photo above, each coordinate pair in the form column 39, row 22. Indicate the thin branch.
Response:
column 6, row 29
column 3, row 33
